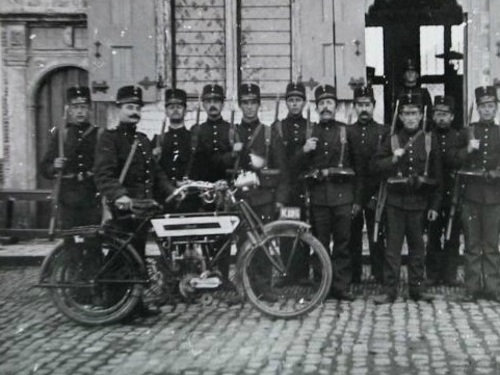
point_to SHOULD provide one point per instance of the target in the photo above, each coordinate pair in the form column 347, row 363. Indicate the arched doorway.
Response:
column 50, row 100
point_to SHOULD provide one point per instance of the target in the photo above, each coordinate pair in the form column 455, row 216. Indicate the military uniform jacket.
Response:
column 450, row 142
column 487, row 158
column 340, row 190
column 77, row 185
column 275, row 160
column 144, row 175
column 176, row 153
column 370, row 136
column 214, row 150
column 292, row 130
column 411, row 164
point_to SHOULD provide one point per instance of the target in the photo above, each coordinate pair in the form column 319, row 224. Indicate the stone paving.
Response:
column 444, row 337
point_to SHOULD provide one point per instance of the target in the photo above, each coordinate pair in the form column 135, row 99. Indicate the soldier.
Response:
column 411, row 84
column 143, row 178
column 332, row 156
column 442, row 261
column 216, row 141
column 293, row 131
column 411, row 160
column 370, row 134
column 481, row 207
column 262, row 152
column 79, row 205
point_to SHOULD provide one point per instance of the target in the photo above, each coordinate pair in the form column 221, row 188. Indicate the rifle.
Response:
column 160, row 136
column 57, row 184
column 194, row 141
column 234, row 138
column 307, row 191
column 277, row 108
column 456, row 183
column 382, row 190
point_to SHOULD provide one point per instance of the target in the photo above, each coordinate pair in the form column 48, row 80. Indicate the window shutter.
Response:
column 349, row 38
column 316, row 41
column 122, row 49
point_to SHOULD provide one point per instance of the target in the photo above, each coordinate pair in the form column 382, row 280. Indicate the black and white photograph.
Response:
column 249, row 187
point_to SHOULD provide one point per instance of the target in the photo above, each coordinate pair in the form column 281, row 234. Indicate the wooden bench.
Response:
column 11, row 196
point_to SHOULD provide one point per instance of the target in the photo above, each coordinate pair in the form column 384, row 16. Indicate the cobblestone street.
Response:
column 444, row 337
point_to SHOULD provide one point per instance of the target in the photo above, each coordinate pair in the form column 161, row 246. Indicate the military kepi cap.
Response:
column 410, row 64
column 412, row 97
column 444, row 103
column 212, row 91
column 486, row 94
column 325, row 92
column 78, row 95
column 363, row 92
column 175, row 96
column 129, row 94
column 295, row 89
column 249, row 91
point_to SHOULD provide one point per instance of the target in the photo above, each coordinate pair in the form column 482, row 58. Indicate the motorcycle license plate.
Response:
column 290, row 213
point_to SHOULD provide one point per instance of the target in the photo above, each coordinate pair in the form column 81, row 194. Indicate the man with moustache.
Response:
column 480, row 160
column 410, row 159
column 370, row 134
column 143, row 178
column 442, row 260
column 332, row 155
column 217, row 143
column 78, row 203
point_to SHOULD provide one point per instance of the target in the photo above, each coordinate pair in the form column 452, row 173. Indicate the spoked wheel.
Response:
column 99, row 284
column 288, row 275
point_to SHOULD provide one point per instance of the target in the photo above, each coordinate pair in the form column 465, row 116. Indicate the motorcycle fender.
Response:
column 286, row 224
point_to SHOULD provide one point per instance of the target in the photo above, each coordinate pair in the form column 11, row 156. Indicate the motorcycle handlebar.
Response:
column 198, row 185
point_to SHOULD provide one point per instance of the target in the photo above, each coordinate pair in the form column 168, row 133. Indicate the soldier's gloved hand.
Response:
column 123, row 203
column 398, row 154
column 473, row 145
column 356, row 209
column 432, row 215
column 310, row 145
column 156, row 151
column 237, row 147
column 59, row 163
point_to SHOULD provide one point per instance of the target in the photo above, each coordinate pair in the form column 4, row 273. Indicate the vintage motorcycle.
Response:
column 95, row 276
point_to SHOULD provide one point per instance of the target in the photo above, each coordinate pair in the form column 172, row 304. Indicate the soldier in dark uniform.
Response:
column 411, row 84
column 481, row 206
column 216, row 143
column 78, row 201
column 370, row 134
column 411, row 160
column 143, row 178
column 442, row 260
column 332, row 154
column 262, row 153
column 176, row 149
column 293, row 131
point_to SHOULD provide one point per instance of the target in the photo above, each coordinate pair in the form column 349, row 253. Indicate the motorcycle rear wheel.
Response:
column 89, row 298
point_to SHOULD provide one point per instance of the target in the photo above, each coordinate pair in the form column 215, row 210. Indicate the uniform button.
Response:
column 326, row 143
column 411, row 159
column 80, row 165
column 295, row 139
column 175, row 143
column 139, row 144
column 485, row 145
column 80, row 156
column 215, row 133
column 175, row 135
column 411, row 151
column 486, row 136
column 216, row 149
column 173, row 168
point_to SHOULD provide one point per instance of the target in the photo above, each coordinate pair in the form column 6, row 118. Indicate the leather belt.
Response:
column 80, row 176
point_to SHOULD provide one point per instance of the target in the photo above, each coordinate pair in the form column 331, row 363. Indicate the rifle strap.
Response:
column 309, row 130
column 343, row 141
column 194, row 146
column 130, row 157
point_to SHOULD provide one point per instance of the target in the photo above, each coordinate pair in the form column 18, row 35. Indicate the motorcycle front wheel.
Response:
column 287, row 275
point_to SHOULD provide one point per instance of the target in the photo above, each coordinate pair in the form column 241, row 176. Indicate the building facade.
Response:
column 49, row 45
